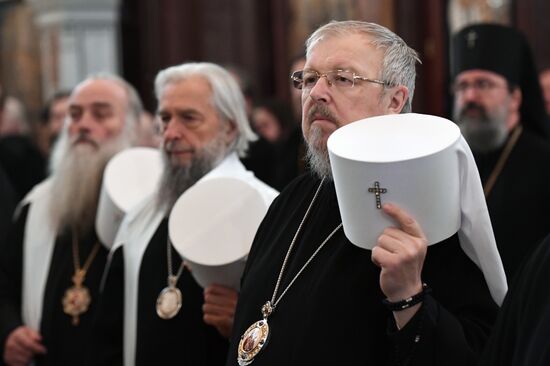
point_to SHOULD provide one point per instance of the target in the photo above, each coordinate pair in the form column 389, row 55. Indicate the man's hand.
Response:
column 22, row 344
column 219, row 308
column 400, row 253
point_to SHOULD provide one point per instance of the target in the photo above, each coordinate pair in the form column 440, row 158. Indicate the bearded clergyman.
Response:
column 499, row 107
column 152, row 310
column 52, row 262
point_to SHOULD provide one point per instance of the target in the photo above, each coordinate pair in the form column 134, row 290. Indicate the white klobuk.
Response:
column 411, row 160
column 129, row 177
column 212, row 226
column 422, row 164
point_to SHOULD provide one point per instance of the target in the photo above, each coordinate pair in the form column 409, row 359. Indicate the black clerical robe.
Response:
column 522, row 332
column 519, row 203
column 8, row 199
column 333, row 314
column 184, row 339
column 66, row 344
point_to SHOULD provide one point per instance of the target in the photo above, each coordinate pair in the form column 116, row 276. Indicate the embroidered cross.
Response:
column 471, row 38
column 377, row 191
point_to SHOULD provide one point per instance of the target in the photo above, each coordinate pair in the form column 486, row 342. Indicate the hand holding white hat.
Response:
column 400, row 253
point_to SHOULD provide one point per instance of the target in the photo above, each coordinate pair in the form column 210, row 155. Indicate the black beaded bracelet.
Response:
column 408, row 302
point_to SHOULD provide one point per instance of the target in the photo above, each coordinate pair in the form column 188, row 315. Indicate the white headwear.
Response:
column 424, row 165
column 129, row 177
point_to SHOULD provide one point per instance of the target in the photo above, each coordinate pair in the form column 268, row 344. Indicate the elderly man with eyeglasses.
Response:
column 310, row 297
column 499, row 107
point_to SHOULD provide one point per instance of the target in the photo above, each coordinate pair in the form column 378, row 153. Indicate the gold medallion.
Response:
column 169, row 302
column 256, row 336
column 252, row 341
column 76, row 301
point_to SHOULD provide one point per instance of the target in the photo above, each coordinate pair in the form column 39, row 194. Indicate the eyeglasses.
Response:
column 478, row 85
column 306, row 79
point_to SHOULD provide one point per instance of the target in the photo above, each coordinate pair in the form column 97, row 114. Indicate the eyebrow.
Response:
column 341, row 68
column 102, row 105
column 181, row 111
column 95, row 105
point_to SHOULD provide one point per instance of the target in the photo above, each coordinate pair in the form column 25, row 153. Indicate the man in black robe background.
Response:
column 333, row 313
column 8, row 199
column 55, row 230
column 521, row 333
column 499, row 107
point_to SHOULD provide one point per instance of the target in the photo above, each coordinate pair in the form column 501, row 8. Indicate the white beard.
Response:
column 317, row 154
column 77, row 178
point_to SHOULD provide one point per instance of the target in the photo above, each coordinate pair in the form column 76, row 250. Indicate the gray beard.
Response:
column 177, row 179
column 485, row 133
column 317, row 154
column 77, row 182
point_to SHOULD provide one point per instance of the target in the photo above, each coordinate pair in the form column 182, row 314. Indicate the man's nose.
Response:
column 470, row 93
column 86, row 123
column 320, row 92
column 171, row 130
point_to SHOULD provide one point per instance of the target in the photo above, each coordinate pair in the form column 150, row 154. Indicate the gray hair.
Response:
column 227, row 97
column 398, row 65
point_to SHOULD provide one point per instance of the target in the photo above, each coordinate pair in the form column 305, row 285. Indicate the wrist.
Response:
column 407, row 302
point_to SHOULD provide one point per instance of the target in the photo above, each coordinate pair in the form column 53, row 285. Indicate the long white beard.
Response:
column 77, row 179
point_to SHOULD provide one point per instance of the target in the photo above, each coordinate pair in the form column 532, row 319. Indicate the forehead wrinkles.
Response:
column 351, row 51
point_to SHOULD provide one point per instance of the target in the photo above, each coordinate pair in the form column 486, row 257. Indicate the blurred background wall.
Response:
column 48, row 45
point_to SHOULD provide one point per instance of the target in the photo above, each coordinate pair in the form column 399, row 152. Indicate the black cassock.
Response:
column 522, row 332
column 519, row 204
column 184, row 339
column 8, row 199
column 333, row 314
column 66, row 344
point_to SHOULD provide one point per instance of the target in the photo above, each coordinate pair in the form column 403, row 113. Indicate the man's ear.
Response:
column 396, row 98
column 230, row 132
column 516, row 98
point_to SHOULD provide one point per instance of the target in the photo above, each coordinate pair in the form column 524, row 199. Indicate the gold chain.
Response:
column 81, row 271
column 488, row 187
